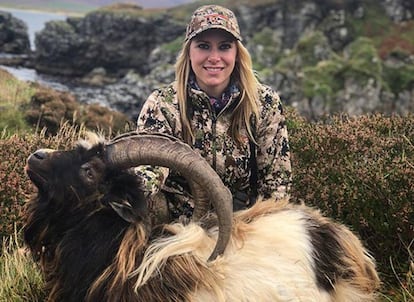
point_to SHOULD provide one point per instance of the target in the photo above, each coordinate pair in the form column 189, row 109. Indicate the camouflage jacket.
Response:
column 160, row 113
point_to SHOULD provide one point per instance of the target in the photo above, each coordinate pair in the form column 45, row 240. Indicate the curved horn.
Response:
column 166, row 151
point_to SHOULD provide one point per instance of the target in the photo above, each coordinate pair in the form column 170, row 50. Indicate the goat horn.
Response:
column 162, row 150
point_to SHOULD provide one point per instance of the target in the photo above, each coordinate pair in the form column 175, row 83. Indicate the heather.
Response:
column 361, row 171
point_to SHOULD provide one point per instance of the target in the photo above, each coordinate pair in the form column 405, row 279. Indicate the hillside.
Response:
column 82, row 6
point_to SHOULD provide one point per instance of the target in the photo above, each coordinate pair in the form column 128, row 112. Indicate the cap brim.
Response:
column 200, row 30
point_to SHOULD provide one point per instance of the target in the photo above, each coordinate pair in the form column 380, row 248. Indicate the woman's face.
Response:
column 213, row 57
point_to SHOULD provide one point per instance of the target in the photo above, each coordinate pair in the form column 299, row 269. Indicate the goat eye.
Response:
column 87, row 172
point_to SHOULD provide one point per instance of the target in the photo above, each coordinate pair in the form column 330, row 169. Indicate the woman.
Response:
column 217, row 106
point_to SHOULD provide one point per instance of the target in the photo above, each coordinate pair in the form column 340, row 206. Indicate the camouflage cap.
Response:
column 212, row 16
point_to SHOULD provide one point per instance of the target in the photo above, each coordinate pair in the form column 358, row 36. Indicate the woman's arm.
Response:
column 273, row 153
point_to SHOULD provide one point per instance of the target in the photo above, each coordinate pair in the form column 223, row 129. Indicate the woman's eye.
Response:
column 203, row 46
column 225, row 46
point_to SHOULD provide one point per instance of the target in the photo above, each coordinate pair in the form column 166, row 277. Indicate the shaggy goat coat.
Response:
column 277, row 251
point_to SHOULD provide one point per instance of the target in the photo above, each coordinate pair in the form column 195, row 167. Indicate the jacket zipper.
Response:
column 214, row 133
column 214, row 118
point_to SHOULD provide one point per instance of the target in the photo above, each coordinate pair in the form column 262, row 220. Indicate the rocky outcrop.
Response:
column 114, row 40
column 14, row 37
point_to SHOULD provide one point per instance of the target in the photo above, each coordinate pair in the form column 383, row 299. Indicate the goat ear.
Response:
column 125, row 210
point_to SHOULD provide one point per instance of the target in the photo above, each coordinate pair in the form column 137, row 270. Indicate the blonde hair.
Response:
column 246, row 81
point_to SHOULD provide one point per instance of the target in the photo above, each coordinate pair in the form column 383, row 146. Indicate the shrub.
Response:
column 324, row 79
column 361, row 171
column 363, row 61
column 103, row 119
column 49, row 109
column 14, row 184
column 399, row 78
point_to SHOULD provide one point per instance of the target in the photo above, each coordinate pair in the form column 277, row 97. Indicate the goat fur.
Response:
column 273, row 255
column 278, row 251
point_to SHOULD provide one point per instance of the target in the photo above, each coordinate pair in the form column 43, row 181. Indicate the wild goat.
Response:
column 88, row 226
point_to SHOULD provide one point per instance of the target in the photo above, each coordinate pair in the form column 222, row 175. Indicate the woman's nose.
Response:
column 213, row 57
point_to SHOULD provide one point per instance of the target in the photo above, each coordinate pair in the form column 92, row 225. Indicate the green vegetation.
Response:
column 379, row 24
column 126, row 9
column 399, row 78
column 174, row 46
column 323, row 79
column 386, row 35
column 13, row 94
column 326, row 72
column 323, row 74
column 267, row 53
column 364, row 62
column 21, row 279
column 327, row 77
column 361, row 171
column 307, row 47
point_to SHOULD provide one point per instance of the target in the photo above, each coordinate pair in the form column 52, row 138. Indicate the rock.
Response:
column 14, row 59
column 14, row 37
column 358, row 97
column 337, row 30
column 399, row 10
column 97, row 77
column 115, row 41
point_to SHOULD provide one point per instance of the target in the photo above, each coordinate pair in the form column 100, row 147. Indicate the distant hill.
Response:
column 82, row 6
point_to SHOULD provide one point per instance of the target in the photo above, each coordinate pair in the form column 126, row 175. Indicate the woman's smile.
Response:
column 213, row 69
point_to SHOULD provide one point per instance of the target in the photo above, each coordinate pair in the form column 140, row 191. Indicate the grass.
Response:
column 125, row 9
column 21, row 279
column 13, row 94
column 387, row 36
column 405, row 293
